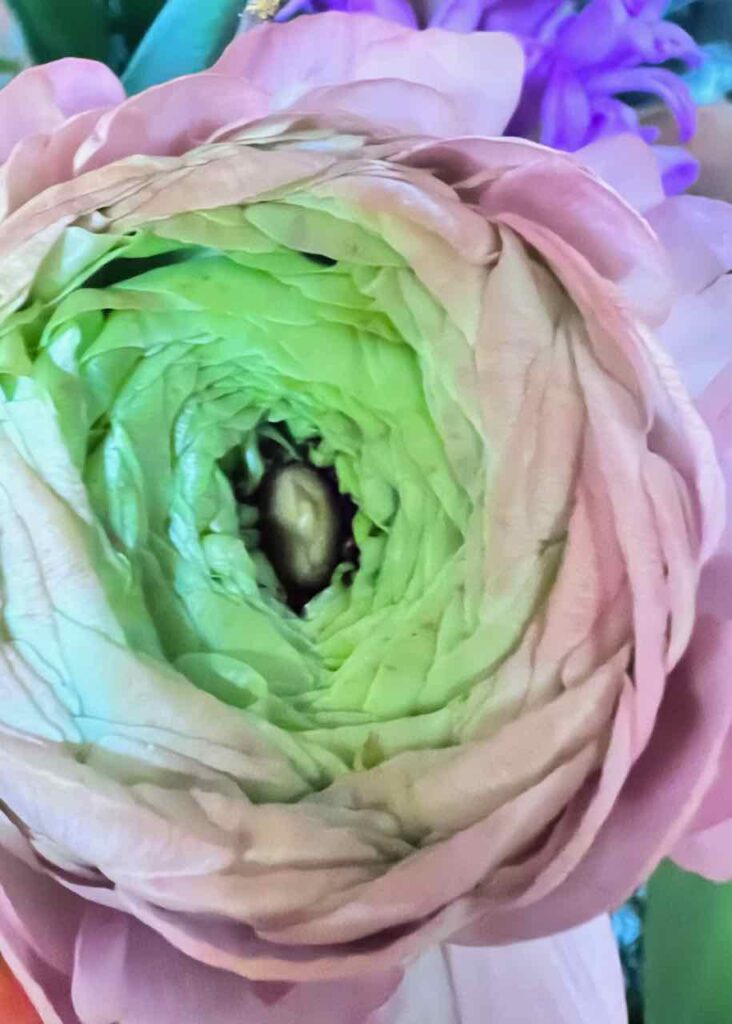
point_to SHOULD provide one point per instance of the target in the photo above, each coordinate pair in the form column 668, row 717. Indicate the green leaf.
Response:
column 688, row 941
column 135, row 17
column 187, row 36
column 64, row 28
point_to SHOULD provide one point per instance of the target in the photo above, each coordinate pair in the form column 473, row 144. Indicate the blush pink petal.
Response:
column 715, row 405
column 573, row 977
column 697, row 234
column 657, row 804
column 38, row 922
column 627, row 165
column 123, row 972
column 42, row 160
column 481, row 73
column 570, row 978
column 82, row 963
column 170, row 119
column 512, row 178
column 576, row 209
column 41, row 99
column 406, row 106
column 707, row 846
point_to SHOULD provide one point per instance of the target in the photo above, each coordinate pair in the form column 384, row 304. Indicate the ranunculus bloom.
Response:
column 489, row 723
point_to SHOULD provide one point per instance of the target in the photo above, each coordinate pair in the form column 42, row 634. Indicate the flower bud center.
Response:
column 300, row 526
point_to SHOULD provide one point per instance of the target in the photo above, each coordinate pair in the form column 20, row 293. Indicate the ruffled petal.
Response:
column 42, row 98
column 170, row 119
column 481, row 73
column 657, row 804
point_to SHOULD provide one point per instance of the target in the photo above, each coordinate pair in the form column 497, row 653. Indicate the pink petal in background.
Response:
column 570, row 978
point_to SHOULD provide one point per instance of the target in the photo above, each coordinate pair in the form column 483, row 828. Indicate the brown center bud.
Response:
column 301, row 527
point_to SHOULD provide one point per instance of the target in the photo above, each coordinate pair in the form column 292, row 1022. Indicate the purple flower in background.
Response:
column 583, row 60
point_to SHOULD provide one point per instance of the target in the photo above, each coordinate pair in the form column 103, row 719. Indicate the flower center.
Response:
column 301, row 529
column 303, row 523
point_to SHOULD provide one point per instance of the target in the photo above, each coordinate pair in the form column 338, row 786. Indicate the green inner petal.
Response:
column 160, row 376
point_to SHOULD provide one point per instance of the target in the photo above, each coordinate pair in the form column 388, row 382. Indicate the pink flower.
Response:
column 191, row 834
column 698, row 232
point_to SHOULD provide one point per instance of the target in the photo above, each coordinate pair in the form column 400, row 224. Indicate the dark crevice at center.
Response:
column 304, row 522
column 317, row 257
column 124, row 268
column 336, row 520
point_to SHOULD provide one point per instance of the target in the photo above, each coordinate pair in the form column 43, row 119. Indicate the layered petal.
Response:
column 297, row 62
column 42, row 99
column 500, row 709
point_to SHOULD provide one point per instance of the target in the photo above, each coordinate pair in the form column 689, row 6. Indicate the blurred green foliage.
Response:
column 106, row 30
column 688, row 949
column 147, row 41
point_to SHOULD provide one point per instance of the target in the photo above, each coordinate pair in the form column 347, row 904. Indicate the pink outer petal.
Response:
column 595, row 221
column 170, row 119
column 40, row 161
column 661, row 797
column 404, row 106
column 481, row 73
column 507, row 177
column 42, row 98
column 85, row 964
column 38, row 921
column 707, row 847
column 125, row 972
column 697, row 233
column 716, row 408
column 627, row 165
column 570, row 978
